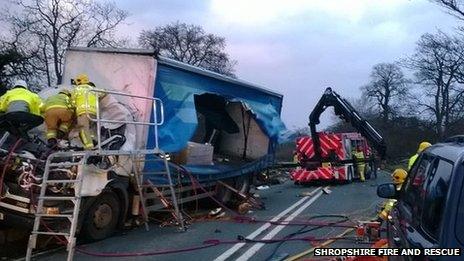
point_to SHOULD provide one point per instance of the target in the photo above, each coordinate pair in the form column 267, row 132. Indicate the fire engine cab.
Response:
column 329, row 156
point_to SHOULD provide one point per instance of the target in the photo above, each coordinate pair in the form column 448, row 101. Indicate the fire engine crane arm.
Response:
column 345, row 111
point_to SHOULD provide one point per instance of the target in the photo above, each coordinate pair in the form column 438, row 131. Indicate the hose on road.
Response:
column 240, row 239
column 207, row 244
column 304, row 229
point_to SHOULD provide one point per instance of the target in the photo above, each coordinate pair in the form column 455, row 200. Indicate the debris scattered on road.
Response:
column 273, row 177
column 262, row 187
column 279, row 257
column 215, row 211
column 244, row 208
column 326, row 190
column 305, row 194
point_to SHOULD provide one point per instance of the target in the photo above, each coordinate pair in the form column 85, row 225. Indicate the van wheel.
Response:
column 101, row 219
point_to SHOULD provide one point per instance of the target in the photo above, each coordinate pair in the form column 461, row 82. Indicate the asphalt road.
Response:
column 357, row 200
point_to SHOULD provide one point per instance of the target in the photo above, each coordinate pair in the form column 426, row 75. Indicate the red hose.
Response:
column 154, row 253
column 206, row 244
column 244, row 219
column 215, row 242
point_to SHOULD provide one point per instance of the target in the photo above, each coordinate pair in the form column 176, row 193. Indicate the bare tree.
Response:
column 15, row 64
column 436, row 63
column 454, row 7
column 189, row 44
column 386, row 87
column 52, row 26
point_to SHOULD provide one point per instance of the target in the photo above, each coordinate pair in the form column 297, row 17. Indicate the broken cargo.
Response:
column 215, row 127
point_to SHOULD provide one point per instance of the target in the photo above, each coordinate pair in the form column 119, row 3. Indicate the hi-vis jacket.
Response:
column 359, row 155
column 59, row 100
column 21, row 94
column 84, row 99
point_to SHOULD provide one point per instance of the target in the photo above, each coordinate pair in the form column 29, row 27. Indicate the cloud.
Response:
column 299, row 47
column 262, row 12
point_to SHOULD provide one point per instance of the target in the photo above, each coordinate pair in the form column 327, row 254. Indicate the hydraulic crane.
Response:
column 345, row 111
column 328, row 156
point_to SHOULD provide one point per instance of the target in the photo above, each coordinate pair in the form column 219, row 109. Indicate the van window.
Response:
column 414, row 186
column 435, row 197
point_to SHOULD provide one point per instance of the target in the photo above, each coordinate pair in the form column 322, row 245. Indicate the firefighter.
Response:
column 86, row 108
column 358, row 156
column 398, row 177
column 20, row 98
column 295, row 157
column 20, row 109
column 422, row 146
column 59, row 115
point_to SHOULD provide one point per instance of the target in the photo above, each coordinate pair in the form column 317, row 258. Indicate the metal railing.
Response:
column 98, row 120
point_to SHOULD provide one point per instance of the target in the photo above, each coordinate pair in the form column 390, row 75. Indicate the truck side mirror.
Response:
column 387, row 190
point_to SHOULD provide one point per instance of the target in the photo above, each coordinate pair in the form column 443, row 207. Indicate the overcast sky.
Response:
column 299, row 47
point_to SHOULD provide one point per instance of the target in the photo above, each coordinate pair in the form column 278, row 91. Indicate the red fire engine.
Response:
column 328, row 156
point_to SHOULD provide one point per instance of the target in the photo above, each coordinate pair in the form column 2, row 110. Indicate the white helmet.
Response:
column 20, row 83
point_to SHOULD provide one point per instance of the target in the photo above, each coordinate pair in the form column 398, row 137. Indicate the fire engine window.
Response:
column 435, row 197
column 348, row 147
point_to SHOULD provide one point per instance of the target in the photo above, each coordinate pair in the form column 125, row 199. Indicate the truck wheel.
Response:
column 224, row 194
column 242, row 184
column 101, row 219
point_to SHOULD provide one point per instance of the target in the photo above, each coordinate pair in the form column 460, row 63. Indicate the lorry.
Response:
column 167, row 133
column 429, row 209
column 328, row 156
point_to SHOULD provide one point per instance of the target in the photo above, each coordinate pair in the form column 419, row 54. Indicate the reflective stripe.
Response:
column 18, row 105
column 56, row 106
column 64, row 128
column 51, row 134
column 88, row 144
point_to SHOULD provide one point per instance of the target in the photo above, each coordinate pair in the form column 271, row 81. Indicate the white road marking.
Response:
column 261, row 229
column 255, row 248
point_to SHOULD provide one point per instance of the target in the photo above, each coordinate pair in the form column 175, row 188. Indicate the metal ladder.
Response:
column 156, row 152
column 138, row 174
column 143, row 186
column 37, row 230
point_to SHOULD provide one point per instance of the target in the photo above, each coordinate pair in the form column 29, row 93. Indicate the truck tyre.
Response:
column 241, row 183
column 102, row 217
column 224, row 194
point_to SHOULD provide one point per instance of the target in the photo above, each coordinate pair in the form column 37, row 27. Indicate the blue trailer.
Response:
column 164, row 130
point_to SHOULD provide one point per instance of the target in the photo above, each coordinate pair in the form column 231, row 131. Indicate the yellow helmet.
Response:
column 399, row 175
column 422, row 146
column 82, row 79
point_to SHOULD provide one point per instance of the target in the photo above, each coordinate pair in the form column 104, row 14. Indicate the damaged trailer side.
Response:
column 214, row 128
column 239, row 120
